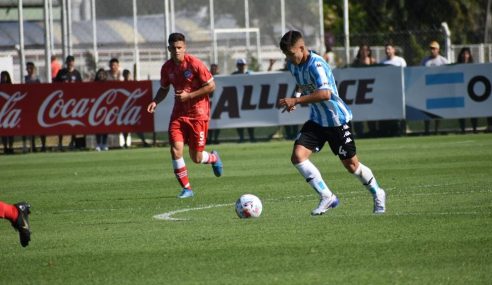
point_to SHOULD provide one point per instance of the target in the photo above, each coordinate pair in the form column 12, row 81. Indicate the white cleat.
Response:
column 325, row 204
column 380, row 201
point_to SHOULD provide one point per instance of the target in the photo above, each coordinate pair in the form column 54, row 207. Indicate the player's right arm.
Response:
column 159, row 96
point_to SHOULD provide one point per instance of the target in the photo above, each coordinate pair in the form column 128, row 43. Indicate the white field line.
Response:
column 168, row 216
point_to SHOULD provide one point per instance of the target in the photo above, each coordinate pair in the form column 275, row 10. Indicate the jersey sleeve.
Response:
column 202, row 72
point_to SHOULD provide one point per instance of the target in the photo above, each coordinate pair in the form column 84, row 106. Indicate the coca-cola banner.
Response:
column 75, row 108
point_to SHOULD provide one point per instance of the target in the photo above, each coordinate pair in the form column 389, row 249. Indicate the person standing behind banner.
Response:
column 364, row 58
column 7, row 141
column 392, row 127
column 32, row 78
column 328, row 122
column 193, row 83
column 242, row 68
column 127, row 77
column 434, row 59
column 68, row 75
column 213, row 134
column 465, row 56
column 101, row 139
column 55, row 67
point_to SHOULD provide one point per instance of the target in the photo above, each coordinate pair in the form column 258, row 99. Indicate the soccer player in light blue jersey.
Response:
column 328, row 122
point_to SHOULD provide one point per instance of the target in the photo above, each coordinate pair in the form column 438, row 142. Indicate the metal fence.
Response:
column 217, row 31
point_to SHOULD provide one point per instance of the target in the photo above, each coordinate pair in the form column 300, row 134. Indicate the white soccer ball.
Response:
column 248, row 206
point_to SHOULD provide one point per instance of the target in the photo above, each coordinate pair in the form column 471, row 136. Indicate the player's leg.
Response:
column 366, row 177
column 177, row 141
column 342, row 144
column 197, row 141
column 311, row 139
column 18, row 215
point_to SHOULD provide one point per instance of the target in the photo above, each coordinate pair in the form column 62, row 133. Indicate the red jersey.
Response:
column 189, row 76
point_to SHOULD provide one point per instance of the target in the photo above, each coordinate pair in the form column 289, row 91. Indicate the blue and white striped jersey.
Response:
column 315, row 74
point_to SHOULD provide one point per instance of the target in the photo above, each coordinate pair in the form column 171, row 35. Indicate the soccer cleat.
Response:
column 185, row 193
column 325, row 204
column 379, row 201
column 217, row 166
column 22, row 223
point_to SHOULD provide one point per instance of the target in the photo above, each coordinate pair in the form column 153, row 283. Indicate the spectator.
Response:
column 434, row 59
column 101, row 139
column 465, row 56
column 7, row 141
column 114, row 73
column 392, row 127
column 391, row 57
column 242, row 68
column 213, row 134
column 32, row 78
column 55, row 67
column 68, row 74
column 364, row 58
column 127, row 77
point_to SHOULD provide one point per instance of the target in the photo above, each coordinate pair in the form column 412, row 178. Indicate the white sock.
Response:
column 313, row 177
column 365, row 176
column 179, row 163
column 205, row 157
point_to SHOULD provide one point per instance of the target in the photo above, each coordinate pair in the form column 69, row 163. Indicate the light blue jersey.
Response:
column 315, row 74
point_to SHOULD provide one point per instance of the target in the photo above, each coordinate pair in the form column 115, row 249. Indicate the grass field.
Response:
column 92, row 217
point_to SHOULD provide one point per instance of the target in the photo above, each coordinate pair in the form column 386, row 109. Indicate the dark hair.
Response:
column 30, row 63
column 6, row 75
column 126, row 72
column 176, row 37
column 101, row 75
column 461, row 57
column 70, row 58
column 114, row 59
column 289, row 40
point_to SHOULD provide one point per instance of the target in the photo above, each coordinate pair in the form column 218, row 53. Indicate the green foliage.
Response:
column 92, row 217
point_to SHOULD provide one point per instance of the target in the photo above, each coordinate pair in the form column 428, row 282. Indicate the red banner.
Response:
column 75, row 108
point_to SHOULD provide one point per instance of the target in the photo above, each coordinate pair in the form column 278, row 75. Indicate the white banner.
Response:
column 252, row 100
column 373, row 93
column 451, row 91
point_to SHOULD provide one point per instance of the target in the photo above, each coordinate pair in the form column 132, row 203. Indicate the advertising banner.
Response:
column 450, row 91
column 251, row 100
column 75, row 108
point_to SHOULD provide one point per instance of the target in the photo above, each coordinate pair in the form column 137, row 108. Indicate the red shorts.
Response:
column 191, row 132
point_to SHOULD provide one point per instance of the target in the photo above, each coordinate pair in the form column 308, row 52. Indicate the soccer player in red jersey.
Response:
column 192, row 82
column 18, row 215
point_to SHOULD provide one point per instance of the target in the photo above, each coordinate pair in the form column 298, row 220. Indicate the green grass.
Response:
column 92, row 217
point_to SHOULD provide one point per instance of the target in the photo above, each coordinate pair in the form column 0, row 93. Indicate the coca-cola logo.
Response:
column 10, row 117
column 57, row 110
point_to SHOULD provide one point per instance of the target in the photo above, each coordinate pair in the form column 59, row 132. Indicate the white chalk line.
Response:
column 168, row 216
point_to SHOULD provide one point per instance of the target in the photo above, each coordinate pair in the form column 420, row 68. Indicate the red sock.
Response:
column 8, row 211
column 182, row 176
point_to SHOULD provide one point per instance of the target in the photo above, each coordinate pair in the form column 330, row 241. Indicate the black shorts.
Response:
column 340, row 139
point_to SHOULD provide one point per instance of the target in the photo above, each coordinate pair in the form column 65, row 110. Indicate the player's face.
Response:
column 177, row 50
column 296, row 54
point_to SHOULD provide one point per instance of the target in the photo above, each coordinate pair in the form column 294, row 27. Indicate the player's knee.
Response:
column 351, row 167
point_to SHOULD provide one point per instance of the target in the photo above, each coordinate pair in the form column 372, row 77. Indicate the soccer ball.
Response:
column 248, row 206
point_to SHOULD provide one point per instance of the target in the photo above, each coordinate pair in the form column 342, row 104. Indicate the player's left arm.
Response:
column 204, row 75
column 321, row 93
column 205, row 90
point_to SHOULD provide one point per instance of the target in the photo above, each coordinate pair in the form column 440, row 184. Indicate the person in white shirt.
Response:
column 391, row 57
column 434, row 59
